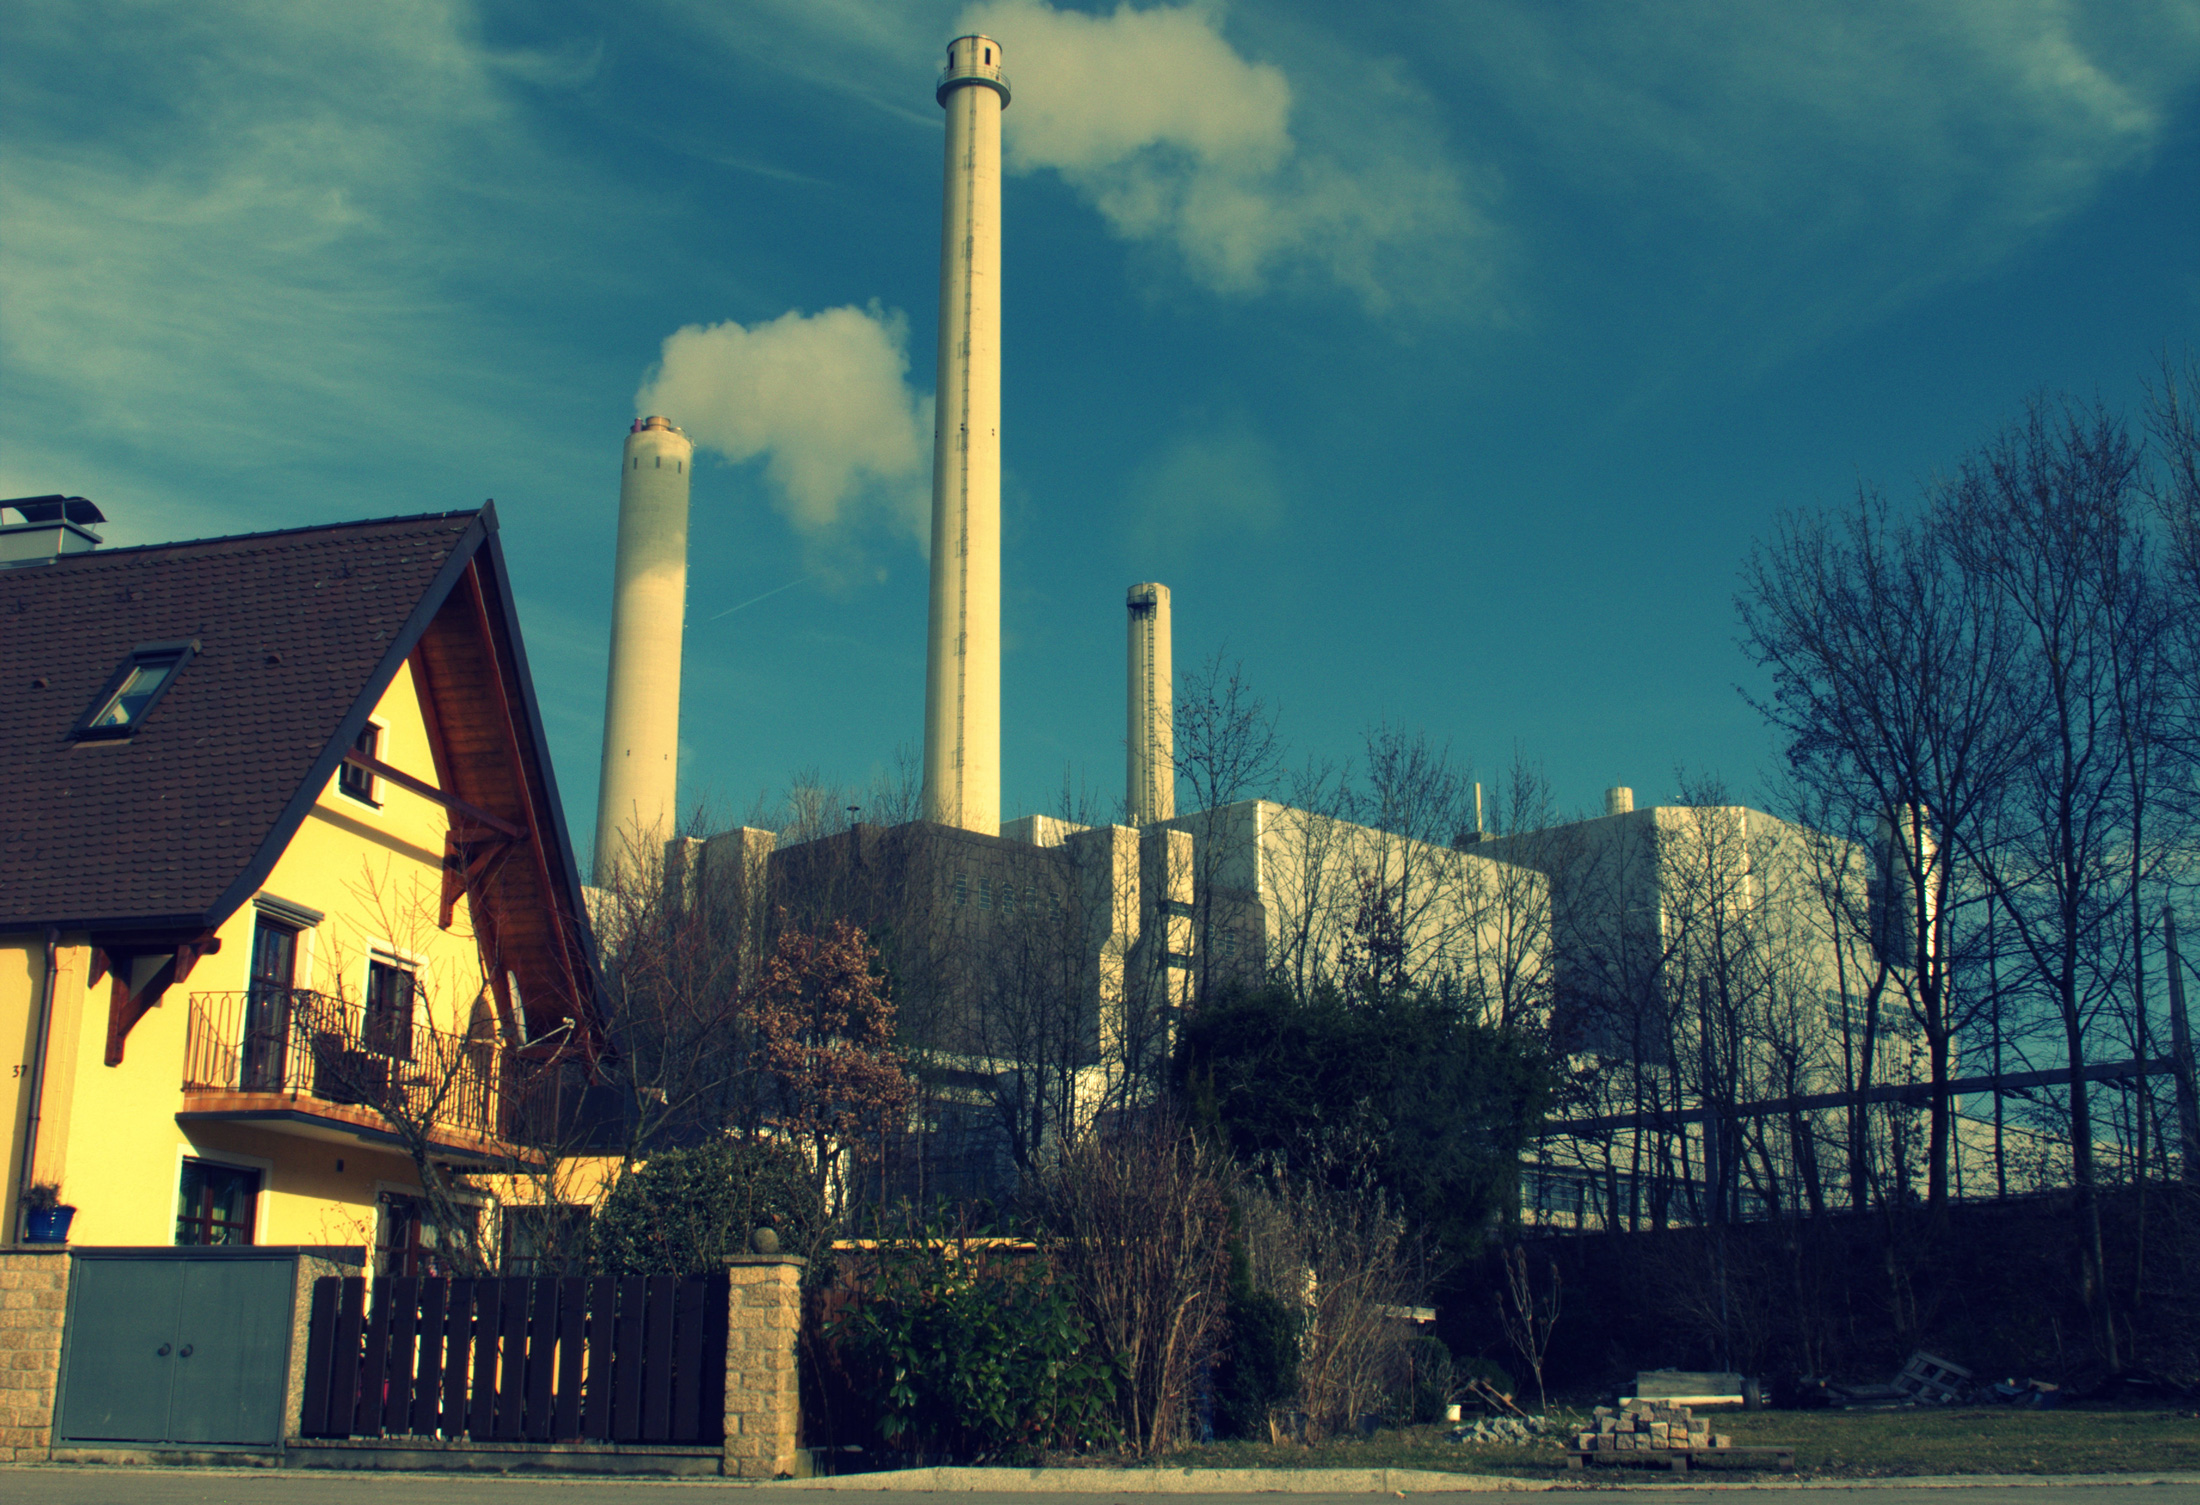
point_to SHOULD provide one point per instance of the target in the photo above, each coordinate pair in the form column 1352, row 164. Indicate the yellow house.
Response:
column 287, row 904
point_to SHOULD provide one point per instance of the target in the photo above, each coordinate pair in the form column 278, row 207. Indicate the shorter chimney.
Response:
column 1619, row 801
column 1150, row 737
column 40, row 529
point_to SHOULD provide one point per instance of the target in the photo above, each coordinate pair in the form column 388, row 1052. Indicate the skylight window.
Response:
column 134, row 689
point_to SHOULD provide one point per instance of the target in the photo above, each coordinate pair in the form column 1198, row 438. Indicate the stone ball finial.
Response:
column 764, row 1241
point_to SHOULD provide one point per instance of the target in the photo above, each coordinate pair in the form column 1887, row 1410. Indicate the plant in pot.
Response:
column 47, row 1216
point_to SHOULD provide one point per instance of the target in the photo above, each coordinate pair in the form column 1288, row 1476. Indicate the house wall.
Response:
column 110, row 1134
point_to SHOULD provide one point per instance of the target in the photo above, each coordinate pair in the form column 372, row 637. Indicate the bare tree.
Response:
column 1894, row 683
column 2044, row 515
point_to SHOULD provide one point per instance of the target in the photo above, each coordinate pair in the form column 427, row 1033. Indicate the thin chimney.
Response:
column 1150, row 737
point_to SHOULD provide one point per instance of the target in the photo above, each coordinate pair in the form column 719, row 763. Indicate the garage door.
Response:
column 178, row 1348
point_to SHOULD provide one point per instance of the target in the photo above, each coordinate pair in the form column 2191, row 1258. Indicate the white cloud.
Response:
column 1179, row 139
column 824, row 399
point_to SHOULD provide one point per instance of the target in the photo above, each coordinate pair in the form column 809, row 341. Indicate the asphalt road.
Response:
column 119, row 1486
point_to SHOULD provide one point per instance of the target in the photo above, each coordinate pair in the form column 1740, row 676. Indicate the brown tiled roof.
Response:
column 174, row 826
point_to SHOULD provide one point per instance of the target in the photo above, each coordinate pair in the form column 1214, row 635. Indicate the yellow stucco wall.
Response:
column 110, row 1134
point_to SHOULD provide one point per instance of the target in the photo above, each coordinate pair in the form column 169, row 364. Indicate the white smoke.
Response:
column 824, row 398
column 1177, row 138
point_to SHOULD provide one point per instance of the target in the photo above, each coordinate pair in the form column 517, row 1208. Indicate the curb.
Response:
column 1174, row 1481
column 1391, row 1481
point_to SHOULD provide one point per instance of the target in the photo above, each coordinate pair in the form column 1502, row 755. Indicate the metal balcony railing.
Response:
column 309, row 1045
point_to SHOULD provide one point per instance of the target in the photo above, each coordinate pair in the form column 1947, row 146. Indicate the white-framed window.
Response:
column 354, row 781
column 391, row 1004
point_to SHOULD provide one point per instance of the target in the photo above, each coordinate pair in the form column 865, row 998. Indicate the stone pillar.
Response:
column 34, row 1301
column 763, row 1390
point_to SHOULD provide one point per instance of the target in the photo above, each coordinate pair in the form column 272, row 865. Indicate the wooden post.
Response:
column 2180, row 1038
column 763, row 1395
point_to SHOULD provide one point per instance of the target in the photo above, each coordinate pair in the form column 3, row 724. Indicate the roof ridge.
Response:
column 93, row 556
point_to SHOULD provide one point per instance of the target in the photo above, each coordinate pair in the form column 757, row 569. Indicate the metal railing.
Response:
column 304, row 1044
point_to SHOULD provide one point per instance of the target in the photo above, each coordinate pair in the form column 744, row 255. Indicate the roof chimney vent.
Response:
column 1619, row 801
column 40, row 529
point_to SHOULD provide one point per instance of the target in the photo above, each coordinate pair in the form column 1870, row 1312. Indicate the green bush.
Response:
column 974, row 1355
column 1260, row 1367
column 681, row 1212
column 1261, row 1370
column 1430, row 1380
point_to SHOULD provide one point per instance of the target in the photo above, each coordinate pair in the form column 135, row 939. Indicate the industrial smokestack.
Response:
column 1619, row 801
column 1150, row 740
column 962, row 679
column 637, row 800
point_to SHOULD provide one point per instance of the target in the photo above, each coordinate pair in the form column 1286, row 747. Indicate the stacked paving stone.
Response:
column 1644, row 1426
column 34, row 1295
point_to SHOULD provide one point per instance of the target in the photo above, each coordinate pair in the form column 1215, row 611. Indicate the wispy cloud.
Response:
column 1875, row 150
column 1206, row 486
column 1179, row 139
column 823, row 399
column 238, row 238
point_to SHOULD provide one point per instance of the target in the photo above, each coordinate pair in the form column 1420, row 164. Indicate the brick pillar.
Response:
column 763, row 1394
column 34, row 1299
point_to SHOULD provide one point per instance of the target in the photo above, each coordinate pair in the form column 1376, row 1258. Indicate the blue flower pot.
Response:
column 49, row 1225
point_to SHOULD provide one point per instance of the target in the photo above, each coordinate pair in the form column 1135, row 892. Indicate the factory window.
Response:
column 985, row 893
column 989, row 54
column 962, row 888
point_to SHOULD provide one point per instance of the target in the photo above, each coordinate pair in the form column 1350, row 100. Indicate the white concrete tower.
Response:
column 962, row 670
column 637, row 802
column 1150, row 736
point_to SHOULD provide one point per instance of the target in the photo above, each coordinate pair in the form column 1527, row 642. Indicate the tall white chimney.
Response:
column 962, row 678
column 637, row 801
column 1150, row 738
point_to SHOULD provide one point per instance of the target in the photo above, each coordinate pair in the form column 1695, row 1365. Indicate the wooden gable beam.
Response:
column 566, row 986
column 126, row 1007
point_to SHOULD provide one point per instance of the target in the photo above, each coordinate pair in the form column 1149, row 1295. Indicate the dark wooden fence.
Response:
column 633, row 1359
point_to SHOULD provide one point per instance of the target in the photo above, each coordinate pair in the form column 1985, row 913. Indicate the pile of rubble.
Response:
column 1516, row 1430
column 1648, row 1426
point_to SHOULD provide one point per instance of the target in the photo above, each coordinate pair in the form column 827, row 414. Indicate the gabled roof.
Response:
column 299, row 634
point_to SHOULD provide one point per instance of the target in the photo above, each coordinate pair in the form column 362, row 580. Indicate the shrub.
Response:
column 1139, row 1215
column 681, row 1212
column 983, row 1356
column 1260, row 1369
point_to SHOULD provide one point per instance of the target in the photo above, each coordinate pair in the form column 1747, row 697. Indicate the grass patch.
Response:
column 1828, row 1445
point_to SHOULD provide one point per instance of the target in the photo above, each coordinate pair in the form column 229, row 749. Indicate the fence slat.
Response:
column 626, row 1363
column 716, row 1327
column 404, row 1294
column 687, row 1361
column 320, row 1357
column 512, row 1371
column 596, row 1407
column 542, row 1357
column 427, row 1393
column 374, row 1371
column 458, row 1325
column 572, row 1327
column 656, row 1356
column 343, row 1396
column 481, row 1420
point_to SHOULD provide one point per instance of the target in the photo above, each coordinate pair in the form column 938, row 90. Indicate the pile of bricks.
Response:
column 1648, row 1426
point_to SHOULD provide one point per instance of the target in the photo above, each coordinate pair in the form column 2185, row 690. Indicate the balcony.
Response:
column 307, row 1063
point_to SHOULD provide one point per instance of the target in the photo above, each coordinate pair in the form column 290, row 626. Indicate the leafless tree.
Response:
column 1894, row 684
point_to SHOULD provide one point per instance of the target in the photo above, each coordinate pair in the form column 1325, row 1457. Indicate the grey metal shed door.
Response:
column 180, row 1350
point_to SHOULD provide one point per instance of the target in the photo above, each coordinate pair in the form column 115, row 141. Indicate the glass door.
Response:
column 267, row 1006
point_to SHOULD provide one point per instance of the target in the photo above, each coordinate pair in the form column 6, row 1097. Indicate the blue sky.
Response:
column 1443, row 359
